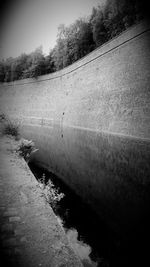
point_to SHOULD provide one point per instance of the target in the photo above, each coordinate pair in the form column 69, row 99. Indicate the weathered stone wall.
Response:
column 91, row 122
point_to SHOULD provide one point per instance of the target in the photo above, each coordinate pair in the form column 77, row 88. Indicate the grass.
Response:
column 9, row 127
column 25, row 147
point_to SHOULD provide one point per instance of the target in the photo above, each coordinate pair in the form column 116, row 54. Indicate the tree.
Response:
column 85, row 37
column 75, row 41
column 59, row 53
column 35, row 64
column 98, row 27
column 2, row 72
column 49, row 63
column 7, row 69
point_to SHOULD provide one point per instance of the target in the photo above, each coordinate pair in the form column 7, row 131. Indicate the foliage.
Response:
column 2, row 72
column 76, row 40
column 26, row 148
column 73, row 43
column 2, row 117
column 35, row 64
column 50, row 192
column 9, row 127
column 26, row 66
column 49, row 63
column 98, row 27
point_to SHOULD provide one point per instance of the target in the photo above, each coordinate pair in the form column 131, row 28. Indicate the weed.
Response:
column 26, row 148
column 2, row 117
column 9, row 127
column 50, row 193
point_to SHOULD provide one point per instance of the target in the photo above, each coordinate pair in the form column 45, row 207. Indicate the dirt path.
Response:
column 30, row 233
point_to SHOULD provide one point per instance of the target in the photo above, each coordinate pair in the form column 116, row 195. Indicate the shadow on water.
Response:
column 94, row 243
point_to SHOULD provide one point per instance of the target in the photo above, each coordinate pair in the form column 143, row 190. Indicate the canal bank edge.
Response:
column 31, row 234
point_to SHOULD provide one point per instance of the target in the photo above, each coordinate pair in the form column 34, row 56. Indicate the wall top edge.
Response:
column 107, row 47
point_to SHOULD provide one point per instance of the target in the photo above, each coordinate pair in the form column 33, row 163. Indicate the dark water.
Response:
column 91, row 239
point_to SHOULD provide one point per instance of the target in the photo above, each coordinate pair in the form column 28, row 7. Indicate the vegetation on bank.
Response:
column 10, row 127
column 76, row 40
column 26, row 148
column 50, row 192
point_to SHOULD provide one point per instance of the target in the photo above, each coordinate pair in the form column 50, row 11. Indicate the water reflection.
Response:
column 81, row 249
column 88, row 237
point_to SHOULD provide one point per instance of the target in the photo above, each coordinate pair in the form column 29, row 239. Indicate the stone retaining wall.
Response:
column 91, row 123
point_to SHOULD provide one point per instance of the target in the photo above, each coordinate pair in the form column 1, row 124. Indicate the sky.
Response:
column 27, row 24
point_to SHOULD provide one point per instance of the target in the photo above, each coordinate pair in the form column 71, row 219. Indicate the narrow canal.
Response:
column 91, row 240
column 94, row 243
